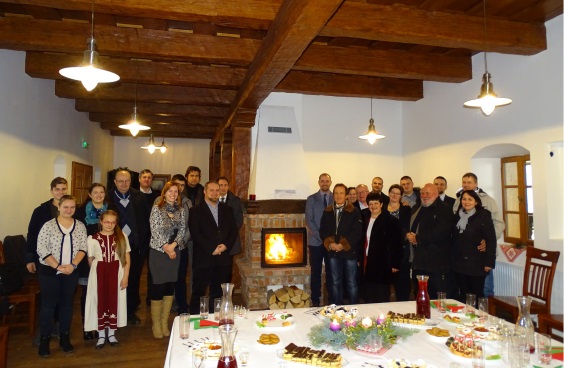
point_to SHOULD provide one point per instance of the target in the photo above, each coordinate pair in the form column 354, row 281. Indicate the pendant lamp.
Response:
column 133, row 125
column 151, row 146
column 371, row 135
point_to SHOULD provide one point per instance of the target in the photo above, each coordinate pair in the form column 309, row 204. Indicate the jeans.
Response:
column 56, row 291
column 344, row 269
column 489, row 284
column 317, row 256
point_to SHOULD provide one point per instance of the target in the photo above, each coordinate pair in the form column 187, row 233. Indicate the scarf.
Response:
column 93, row 213
column 171, row 208
column 461, row 224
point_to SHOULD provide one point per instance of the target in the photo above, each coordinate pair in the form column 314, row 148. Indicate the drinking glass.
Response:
column 520, row 351
column 441, row 302
column 244, row 358
column 204, row 307
column 544, row 348
column 216, row 308
column 470, row 303
column 478, row 354
column 184, row 325
column 199, row 357
column 483, row 310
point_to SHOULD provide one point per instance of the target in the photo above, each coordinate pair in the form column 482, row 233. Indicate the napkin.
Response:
column 204, row 323
column 557, row 353
column 453, row 307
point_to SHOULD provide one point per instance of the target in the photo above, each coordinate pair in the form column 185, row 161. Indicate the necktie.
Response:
column 325, row 200
column 223, row 200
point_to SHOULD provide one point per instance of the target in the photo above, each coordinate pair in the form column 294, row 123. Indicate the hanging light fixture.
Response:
column 487, row 99
column 163, row 147
column 89, row 73
column 133, row 125
column 151, row 146
column 371, row 135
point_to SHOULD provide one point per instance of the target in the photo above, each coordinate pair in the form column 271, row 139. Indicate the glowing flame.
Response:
column 277, row 250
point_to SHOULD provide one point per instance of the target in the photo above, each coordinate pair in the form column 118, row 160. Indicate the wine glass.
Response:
column 483, row 310
column 199, row 357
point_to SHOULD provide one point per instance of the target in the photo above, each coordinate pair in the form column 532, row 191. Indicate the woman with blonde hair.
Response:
column 106, row 300
column 168, row 224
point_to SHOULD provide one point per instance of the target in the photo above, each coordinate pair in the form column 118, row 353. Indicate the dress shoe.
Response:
column 132, row 319
column 113, row 341
column 65, row 343
column 101, row 343
column 88, row 335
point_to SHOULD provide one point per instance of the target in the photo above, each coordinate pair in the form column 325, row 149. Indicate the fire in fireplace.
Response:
column 283, row 247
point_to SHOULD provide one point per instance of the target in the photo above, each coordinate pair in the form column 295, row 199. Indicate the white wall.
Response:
column 180, row 154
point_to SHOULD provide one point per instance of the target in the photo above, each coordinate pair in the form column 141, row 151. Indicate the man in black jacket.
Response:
column 131, row 205
column 431, row 226
column 229, row 198
column 213, row 230
column 194, row 190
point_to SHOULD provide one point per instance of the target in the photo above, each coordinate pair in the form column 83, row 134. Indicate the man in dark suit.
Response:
column 441, row 184
column 131, row 205
column 214, row 231
column 226, row 196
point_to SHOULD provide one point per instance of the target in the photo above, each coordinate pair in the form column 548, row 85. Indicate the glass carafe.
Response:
column 227, row 358
column 226, row 311
column 524, row 325
column 422, row 301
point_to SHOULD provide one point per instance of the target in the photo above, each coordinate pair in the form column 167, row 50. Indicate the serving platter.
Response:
column 275, row 321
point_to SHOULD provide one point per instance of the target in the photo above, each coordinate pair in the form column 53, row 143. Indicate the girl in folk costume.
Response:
column 108, row 255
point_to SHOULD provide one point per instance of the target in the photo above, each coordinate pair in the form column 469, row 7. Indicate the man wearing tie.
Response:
column 315, row 205
column 229, row 198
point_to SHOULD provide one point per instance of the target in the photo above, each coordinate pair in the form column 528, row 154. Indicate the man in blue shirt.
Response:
column 315, row 205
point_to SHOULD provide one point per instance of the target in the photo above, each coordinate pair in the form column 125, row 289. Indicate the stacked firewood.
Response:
column 288, row 297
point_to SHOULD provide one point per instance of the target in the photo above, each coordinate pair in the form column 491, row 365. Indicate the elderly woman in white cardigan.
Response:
column 61, row 245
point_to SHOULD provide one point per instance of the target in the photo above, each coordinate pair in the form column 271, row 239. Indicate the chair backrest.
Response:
column 539, row 273
column 14, row 251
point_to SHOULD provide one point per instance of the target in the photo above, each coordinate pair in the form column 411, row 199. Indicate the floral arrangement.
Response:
column 356, row 332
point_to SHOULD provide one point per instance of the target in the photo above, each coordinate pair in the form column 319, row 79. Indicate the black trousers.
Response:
column 137, row 258
column 213, row 277
column 180, row 290
column 56, row 291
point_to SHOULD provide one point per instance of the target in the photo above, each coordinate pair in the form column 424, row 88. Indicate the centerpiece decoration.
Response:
column 353, row 332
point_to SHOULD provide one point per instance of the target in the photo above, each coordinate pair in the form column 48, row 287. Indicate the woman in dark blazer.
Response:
column 473, row 223
column 382, row 251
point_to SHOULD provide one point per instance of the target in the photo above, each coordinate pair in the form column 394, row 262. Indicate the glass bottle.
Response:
column 422, row 301
column 227, row 358
column 524, row 325
column 226, row 311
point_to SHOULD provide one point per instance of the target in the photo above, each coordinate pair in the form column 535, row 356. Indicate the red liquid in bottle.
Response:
column 227, row 362
column 226, row 321
column 422, row 301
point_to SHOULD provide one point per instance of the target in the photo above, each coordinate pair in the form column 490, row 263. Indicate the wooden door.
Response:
column 80, row 181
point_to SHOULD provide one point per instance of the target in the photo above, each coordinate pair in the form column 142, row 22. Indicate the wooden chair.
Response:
column 4, row 346
column 10, row 251
column 550, row 322
column 540, row 268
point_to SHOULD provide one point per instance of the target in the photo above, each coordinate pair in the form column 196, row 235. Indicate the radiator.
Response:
column 508, row 280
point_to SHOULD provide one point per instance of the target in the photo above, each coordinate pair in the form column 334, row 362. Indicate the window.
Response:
column 517, row 188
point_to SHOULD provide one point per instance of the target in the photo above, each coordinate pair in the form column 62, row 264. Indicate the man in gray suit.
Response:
column 315, row 205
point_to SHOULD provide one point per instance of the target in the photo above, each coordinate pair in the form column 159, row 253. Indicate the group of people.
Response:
column 369, row 241
column 103, row 245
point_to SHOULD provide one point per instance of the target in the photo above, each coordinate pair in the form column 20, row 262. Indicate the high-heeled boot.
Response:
column 156, row 312
column 44, row 350
column 167, row 306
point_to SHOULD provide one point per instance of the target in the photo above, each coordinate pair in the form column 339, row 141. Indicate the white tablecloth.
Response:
column 418, row 346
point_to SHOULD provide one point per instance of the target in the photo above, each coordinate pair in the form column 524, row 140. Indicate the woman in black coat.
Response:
column 473, row 223
column 382, row 253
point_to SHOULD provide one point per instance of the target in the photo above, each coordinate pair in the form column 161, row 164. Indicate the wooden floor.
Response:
column 137, row 347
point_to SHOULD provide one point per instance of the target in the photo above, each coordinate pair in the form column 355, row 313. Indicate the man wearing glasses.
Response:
column 131, row 206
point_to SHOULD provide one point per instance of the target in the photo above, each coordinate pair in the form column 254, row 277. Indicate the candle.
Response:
column 335, row 326
column 380, row 319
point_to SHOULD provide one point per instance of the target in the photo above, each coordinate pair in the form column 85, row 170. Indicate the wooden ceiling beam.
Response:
column 146, row 93
column 147, row 108
column 47, row 65
column 70, row 37
column 153, row 119
column 387, row 63
column 407, row 24
column 296, row 24
column 328, row 84
column 254, row 14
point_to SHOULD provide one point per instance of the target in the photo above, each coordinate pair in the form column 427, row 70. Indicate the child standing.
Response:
column 108, row 255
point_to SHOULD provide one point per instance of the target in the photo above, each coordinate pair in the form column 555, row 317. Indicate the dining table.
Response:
column 418, row 347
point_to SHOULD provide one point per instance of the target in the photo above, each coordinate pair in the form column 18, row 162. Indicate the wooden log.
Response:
column 280, row 305
column 296, row 299
column 274, row 306
column 270, row 297
column 301, row 304
column 289, row 305
column 305, row 296
column 290, row 291
column 307, row 303
column 282, row 295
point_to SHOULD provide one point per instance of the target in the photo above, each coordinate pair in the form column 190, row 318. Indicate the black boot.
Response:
column 64, row 342
column 44, row 350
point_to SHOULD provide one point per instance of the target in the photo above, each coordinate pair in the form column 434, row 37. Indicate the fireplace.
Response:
column 283, row 247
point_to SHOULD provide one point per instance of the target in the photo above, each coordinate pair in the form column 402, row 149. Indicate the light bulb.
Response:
column 371, row 138
column 133, row 130
column 488, row 104
column 151, row 148
column 163, row 149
